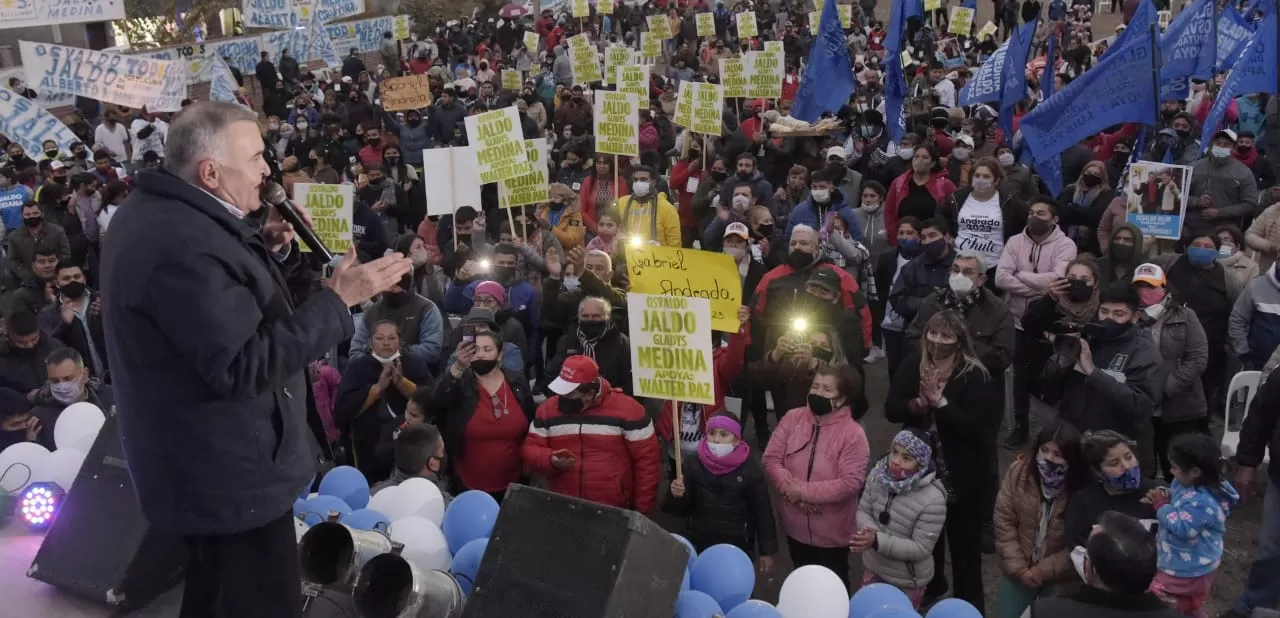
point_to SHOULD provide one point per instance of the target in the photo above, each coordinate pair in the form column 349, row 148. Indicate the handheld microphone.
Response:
column 274, row 195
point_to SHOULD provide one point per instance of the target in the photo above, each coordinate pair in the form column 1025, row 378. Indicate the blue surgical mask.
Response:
column 1129, row 480
column 1201, row 256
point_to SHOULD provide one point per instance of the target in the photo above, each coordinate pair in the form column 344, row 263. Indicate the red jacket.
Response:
column 848, row 285
column 939, row 186
column 727, row 362
column 587, row 196
column 680, row 175
column 614, row 446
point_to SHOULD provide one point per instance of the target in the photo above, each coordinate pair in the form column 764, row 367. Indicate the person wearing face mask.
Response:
column 75, row 318
column 826, row 195
column 1037, row 489
column 374, row 391
column 594, row 334
column 17, row 424
column 70, row 382
column 926, row 272
column 1236, row 261
column 561, row 216
column 1247, row 152
column 1117, row 380
column 986, row 315
column 420, row 323
column 1083, row 205
column 484, row 412
column 1223, row 190
column 413, row 133
column 646, row 213
column 428, row 280
column 1184, row 352
column 984, row 218
column 568, row 442
column 918, row 191
column 747, row 171
column 418, row 451
column 36, row 234
column 1119, row 485
column 817, row 459
column 1018, row 179
column 944, row 386
column 687, row 177
column 604, row 188
column 22, row 354
column 939, row 121
column 1197, row 278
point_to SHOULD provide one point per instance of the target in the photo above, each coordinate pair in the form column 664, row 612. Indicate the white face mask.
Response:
column 960, row 284
column 719, row 449
column 1005, row 159
column 1219, row 152
column 640, row 188
column 740, row 202
column 982, row 185
column 302, row 126
column 906, row 153
column 822, row 196
column 65, row 392
column 1154, row 311
column 869, row 206
column 961, row 154
column 1226, row 251
column 386, row 359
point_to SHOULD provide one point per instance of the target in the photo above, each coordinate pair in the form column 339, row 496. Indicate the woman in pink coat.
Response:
column 817, row 459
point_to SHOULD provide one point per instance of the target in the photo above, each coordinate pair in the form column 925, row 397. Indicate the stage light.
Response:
column 39, row 504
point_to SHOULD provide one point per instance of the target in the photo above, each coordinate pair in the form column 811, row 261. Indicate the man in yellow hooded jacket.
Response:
column 647, row 213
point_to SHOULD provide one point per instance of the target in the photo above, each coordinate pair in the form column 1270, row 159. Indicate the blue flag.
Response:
column 1254, row 71
column 1105, row 95
column 1234, row 31
column 1013, row 75
column 828, row 76
column 895, row 95
column 896, row 29
column 914, row 8
column 984, row 85
column 1140, row 26
column 969, row 4
column 1050, row 170
column 1187, row 47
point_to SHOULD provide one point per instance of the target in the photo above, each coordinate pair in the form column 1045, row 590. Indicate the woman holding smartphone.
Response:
column 483, row 413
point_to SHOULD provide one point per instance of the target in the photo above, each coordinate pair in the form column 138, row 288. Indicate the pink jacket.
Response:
column 325, row 388
column 829, row 467
column 1027, row 268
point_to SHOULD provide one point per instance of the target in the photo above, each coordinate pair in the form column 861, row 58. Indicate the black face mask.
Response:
column 823, row 354
column 592, row 329
column 32, row 221
column 746, row 175
column 568, row 406
column 483, row 366
column 935, row 249
column 1090, row 181
column 719, row 176
column 1108, row 329
column 1120, row 156
column 799, row 259
column 51, row 153
column 765, row 230
column 413, row 122
column 82, row 155
column 1078, row 290
column 395, row 299
column 504, row 273
column 1121, row 253
column 392, row 161
column 819, row 405
column 74, row 290
column 1038, row 227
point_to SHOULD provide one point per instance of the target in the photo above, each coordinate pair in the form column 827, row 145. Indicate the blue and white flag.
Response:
column 1050, row 170
column 895, row 96
column 1013, row 76
column 1187, row 49
column 27, row 124
column 1234, row 31
column 984, row 85
column 312, row 42
column 828, row 76
column 1254, row 71
column 1103, row 96
column 286, row 14
column 222, row 84
column 131, row 81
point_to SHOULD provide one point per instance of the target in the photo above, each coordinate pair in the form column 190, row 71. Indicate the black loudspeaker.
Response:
column 100, row 546
column 559, row 557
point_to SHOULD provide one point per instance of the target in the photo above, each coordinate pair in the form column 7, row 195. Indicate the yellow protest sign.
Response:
column 604, row 7
column 733, row 76
column 581, row 8
column 634, row 79
column 499, row 144
column 961, row 21
column 684, row 105
column 689, row 273
column 402, row 27
column 583, row 60
column 650, row 46
column 659, row 26
column 531, row 188
column 511, row 79
column 671, row 348
column 818, row 5
column 531, row 41
column 708, row 110
column 764, row 75
column 988, row 30
column 614, row 57
column 408, row 92
column 332, row 208
column 706, row 23
column 932, row 5
column 773, row 46
column 747, row 28
column 815, row 22
column 617, row 120
column 907, row 60
column 845, row 13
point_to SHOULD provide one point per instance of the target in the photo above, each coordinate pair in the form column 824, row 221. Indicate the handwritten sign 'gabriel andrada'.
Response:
column 671, row 348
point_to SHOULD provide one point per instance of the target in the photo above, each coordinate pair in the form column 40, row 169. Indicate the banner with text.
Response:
column 409, row 92
column 27, row 124
column 634, row 79
column 287, row 14
column 706, row 23
column 765, row 70
column 617, row 118
column 28, row 13
column 581, row 8
column 1156, row 197
column 961, row 20
column 689, row 273
column 671, row 348
column 604, row 7
column 584, row 60
column 747, row 28
column 614, row 57
column 733, row 77
column 660, row 26
column 650, row 46
column 684, row 105
column 531, row 188
column 499, row 144
column 332, row 208
column 222, row 87
column 131, row 81
column 708, row 109
column 531, row 41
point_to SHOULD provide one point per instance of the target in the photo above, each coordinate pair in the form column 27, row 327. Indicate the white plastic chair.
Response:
column 1246, row 381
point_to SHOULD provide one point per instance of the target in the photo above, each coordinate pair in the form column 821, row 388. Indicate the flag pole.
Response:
column 1155, row 65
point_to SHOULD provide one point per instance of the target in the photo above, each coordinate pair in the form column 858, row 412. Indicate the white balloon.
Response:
column 299, row 528
column 22, row 464
column 61, row 467
column 424, row 543
column 77, row 426
column 813, row 591
column 411, row 499
column 432, row 507
column 382, row 501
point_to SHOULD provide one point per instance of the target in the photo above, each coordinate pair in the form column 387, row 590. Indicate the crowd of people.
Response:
column 940, row 260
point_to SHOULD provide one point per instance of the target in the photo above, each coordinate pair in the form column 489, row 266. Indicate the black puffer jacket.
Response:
column 729, row 508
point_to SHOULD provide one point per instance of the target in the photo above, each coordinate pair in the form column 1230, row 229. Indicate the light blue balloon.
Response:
column 694, row 604
column 873, row 597
column 317, row 509
column 469, row 517
column 306, row 489
column 693, row 553
column 726, row 573
column 347, row 484
column 684, row 581
column 299, row 507
column 466, row 563
column 754, row 609
column 893, row 612
column 954, row 608
column 366, row 519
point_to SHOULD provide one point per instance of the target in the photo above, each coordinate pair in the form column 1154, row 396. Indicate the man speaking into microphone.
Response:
column 208, row 352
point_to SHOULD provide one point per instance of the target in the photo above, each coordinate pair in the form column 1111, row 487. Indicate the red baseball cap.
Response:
column 576, row 371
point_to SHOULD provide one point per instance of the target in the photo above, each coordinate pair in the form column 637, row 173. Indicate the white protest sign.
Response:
column 617, row 118
column 285, row 14
column 671, row 348
column 584, row 61
column 29, row 125
column 332, row 210
column 764, row 74
column 27, row 13
column 708, row 109
column 499, row 142
column 451, row 173
column 634, row 79
column 684, row 105
column 131, row 81
column 532, row 188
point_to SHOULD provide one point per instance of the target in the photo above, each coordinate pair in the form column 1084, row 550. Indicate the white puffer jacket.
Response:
column 904, row 547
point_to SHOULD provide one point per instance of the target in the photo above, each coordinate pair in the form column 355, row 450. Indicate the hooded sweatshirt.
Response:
column 1027, row 267
column 1111, row 270
column 1192, row 526
column 563, row 67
